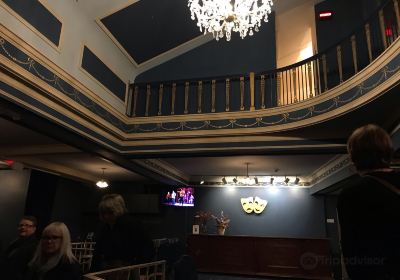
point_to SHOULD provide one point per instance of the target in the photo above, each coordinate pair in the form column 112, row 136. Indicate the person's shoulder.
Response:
column 127, row 220
column 71, row 266
column 360, row 188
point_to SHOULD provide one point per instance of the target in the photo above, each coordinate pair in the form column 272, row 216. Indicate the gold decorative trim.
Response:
column 28, row 91
column 40, row 58
column 55, row 93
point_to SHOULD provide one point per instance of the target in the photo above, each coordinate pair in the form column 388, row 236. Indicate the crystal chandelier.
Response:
column 221, row 17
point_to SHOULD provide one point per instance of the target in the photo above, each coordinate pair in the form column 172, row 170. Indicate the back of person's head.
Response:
column 370, row 147
column 112, row 204
column 56, row 232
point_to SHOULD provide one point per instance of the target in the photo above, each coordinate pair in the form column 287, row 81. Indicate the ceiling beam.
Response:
column 24, row 117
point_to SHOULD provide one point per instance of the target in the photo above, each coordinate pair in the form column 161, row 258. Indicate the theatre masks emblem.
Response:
column 256, row 204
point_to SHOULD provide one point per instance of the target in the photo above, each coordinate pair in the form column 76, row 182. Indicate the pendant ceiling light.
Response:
column 222, row 17
column 102, row 183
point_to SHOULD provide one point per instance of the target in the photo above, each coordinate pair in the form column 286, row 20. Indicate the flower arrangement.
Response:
column 202, row 217
column 222, row 221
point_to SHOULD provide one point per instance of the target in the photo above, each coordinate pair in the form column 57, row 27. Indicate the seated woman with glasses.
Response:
column 53, row 258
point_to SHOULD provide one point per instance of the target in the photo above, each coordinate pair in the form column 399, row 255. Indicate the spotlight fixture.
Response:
column 201, row 182
column 256, row 180
column 235, row 180
column 286, row 180
column 102, row 183
column 296, row 182
column 271, row 181
column 224, row 181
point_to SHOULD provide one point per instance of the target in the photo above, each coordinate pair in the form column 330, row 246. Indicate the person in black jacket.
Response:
column 369, row 208
column 122, row 240
column 19, row 252
column 53, row 259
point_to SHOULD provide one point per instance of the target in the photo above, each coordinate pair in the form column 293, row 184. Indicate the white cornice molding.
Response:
column 165, row 169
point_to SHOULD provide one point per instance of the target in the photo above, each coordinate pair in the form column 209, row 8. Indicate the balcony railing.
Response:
column 259, row 91
column 146, row 271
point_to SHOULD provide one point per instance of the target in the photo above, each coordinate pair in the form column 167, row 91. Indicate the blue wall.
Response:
column 347, row 16
column 13, row 190
column 289, row 213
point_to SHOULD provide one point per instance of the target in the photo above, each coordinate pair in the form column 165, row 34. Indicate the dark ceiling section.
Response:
column 39, row 17
column 149, row 28
column 95, row 67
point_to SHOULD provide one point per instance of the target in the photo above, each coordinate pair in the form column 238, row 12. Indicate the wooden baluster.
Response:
column 325, row 71
column 294, row 88
column 316, row 76
column 288, row 87
column 213, row 96
column 148, row 93
column 241, row 93
column 309, row 92
column 262, row 91
column 369, row 45
column 278, row 85
column 382, row 26
column 128, row 109
column 160, row 98
column 227, row 90
column 135, row 95
column 186, row 97
column 339, row 61
column 354, row 52
column 397, row 12
column 199, row 94
column 173, row 98
column 252, row 107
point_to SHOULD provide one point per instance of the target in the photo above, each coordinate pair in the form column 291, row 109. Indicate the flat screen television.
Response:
column 178, row 196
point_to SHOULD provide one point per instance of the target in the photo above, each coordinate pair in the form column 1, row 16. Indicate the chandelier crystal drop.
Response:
column 222, row 17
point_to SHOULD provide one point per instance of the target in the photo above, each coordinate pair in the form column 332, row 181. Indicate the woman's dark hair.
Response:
column 370, row 147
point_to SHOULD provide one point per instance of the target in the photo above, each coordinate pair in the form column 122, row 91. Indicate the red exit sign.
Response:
column 325, row 15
